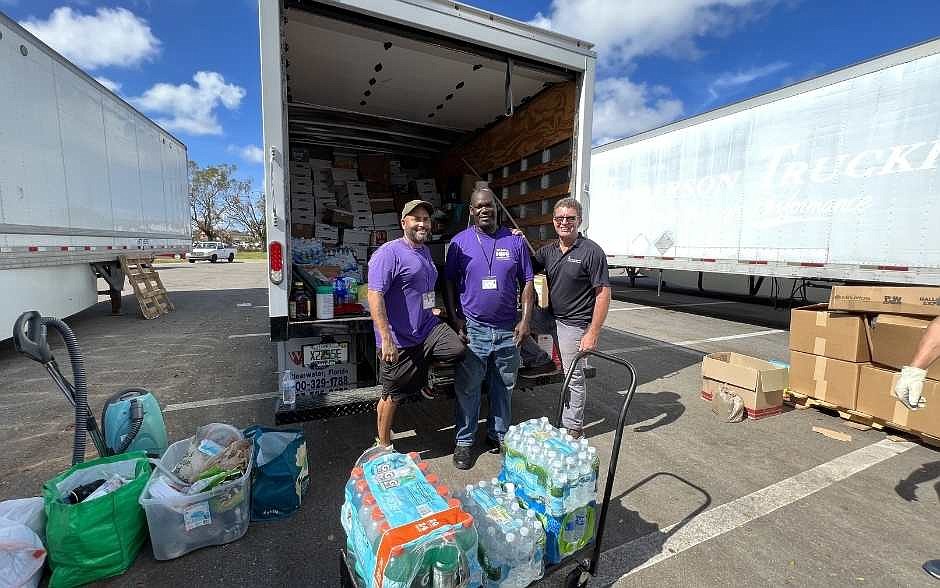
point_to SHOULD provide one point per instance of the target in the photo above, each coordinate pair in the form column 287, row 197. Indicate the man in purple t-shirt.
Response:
column 401, row 298
column 486, row 265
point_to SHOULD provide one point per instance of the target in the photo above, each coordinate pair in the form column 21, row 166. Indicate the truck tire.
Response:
column 214, row 258
column 231, row 257
column 192, row 261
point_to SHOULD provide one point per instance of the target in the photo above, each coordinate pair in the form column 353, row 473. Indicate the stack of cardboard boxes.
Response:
column 849, row 353
column 352, row 200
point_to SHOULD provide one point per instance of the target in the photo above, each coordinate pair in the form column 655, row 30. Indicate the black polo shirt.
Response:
column 572, row 278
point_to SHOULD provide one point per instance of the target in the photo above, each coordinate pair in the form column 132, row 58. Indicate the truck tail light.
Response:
column 276, row 262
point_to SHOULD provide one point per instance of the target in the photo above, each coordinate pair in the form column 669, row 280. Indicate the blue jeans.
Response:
column 491, row 357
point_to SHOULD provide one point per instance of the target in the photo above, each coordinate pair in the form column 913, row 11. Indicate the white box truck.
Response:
column 84, row 178
column 368, row 104
column 830, row 179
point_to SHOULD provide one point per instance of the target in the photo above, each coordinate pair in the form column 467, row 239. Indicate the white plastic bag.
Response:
column 22, row 555
column 26, row 511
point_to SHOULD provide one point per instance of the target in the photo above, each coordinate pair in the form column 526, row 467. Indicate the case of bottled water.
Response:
column 403, row 528
column 512, row 540
column 555, row 476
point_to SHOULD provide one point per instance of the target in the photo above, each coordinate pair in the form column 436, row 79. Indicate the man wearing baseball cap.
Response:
column 401, row 297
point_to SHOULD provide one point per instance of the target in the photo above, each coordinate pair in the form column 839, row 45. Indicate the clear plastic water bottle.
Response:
column 288, row 389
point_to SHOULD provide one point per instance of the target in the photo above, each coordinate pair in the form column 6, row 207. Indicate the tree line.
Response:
column 220, row 203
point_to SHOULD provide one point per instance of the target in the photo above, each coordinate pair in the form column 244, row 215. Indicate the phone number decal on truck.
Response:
column 313, row 381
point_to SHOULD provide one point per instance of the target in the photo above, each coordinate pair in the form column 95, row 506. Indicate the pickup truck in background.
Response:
column 211, row 251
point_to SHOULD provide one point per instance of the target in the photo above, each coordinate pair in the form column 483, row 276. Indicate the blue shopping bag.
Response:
column 280, row 475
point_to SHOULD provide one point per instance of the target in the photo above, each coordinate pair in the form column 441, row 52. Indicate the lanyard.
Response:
column 428, row 264
column 489, row 260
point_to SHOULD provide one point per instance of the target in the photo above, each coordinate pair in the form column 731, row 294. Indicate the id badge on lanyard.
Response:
column 489, row 283
column 427, row 300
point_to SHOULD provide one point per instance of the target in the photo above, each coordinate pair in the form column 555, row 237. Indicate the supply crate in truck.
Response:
column 368, row 105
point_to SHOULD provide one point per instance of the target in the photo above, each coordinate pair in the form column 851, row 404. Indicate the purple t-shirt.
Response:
column 474, row 260
column 404, row 275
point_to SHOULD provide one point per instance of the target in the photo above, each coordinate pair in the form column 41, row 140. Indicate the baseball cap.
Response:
column 413, row 204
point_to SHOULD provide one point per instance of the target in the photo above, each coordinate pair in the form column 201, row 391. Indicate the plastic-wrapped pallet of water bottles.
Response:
column 512, row 540
column 554, row 475
column 403, row 528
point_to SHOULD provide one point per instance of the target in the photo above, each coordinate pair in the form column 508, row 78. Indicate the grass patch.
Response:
column 251, row 255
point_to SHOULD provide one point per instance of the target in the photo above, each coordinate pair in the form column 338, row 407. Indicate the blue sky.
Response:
column 192, row 65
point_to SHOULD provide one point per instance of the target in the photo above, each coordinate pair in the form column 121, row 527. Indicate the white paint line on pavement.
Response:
column 243, row 304
column 692, row 341
column 247, row 335
column 670, row 306
column 659, row 546
column 217, row 402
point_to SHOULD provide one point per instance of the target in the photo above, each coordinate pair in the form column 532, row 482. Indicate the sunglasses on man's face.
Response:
column 565, row 219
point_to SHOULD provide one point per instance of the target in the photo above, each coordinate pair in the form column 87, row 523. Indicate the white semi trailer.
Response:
column 836, row 178
column 84, row 178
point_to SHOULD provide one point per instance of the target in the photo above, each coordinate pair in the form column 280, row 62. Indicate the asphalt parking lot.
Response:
column 696, row 502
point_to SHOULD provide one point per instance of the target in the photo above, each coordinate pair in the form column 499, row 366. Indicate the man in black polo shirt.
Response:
column 579, row 296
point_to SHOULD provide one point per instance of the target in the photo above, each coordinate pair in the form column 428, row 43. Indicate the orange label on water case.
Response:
column 408, row 533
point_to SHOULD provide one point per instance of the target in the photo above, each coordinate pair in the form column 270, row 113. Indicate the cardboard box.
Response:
column 356, row 187
column 425, row 186
column 921, row 301
column 320, row 164
column 391, row 234
column 362, row 220
column 303, row 216
column 325, row 232
column 386, row 219
column 356, row 237
column 301, row 230
column 383, row 205
column 819, row 331
column 830, row 380
column 338, row 217
column 894, row 341
column 373, row 168
column 344, row 175
column 758, row 383
column 876, row 398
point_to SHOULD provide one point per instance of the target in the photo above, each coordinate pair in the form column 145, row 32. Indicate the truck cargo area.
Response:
column 378, row 114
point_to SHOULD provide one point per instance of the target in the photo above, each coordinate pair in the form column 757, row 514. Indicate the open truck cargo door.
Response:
column 368, row 105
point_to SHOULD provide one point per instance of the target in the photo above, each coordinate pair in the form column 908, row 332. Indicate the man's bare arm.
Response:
column 389, row 352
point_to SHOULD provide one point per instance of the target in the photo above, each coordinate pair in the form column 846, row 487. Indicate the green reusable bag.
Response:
column 97, row 538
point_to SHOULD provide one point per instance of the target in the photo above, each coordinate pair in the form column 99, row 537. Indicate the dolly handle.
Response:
column 29, row 337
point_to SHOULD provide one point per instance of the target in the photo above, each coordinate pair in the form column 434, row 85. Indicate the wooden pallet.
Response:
column 801, row 401
column 147, row 285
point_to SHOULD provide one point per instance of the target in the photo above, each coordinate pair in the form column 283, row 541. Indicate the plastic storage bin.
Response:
column 184, row 524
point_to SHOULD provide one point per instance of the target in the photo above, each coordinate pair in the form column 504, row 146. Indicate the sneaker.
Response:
column 538, row 370
column 463, row 458
column 493, row 445
column 428, row 393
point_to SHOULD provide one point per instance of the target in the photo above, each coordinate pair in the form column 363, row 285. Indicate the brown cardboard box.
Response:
column 921, row 301
column 374, row 168
column 759, row 383
column 894, row 341
column 830, row 380
column 819, row 331
column 875, row 398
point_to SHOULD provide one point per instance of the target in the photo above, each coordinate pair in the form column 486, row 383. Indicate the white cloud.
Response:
column 110, row 37
column 250, row 153
column 191, row 109
column 732, row 80
column 109, row 83
column 623, row 108
column 624, row 29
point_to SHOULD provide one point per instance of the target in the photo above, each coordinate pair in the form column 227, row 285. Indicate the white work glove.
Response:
column 910, row 386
